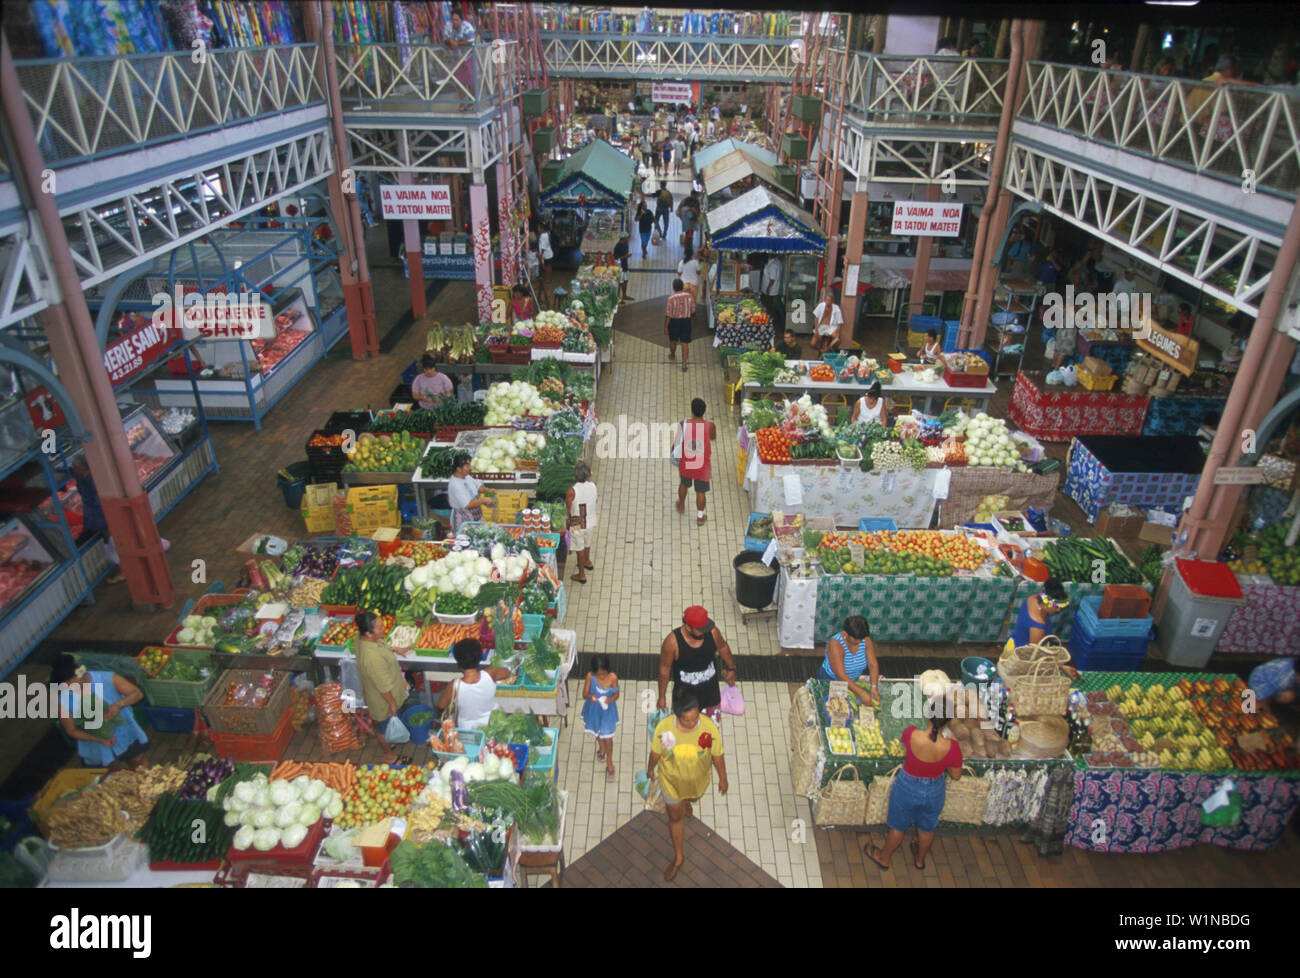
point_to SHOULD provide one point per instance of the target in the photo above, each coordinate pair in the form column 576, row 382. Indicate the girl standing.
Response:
column 581, row 501
column 600, row 711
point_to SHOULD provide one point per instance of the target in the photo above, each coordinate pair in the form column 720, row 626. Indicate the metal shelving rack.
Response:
column 1014, row 304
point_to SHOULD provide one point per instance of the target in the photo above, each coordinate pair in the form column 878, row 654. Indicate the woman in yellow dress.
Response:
column 684, row 748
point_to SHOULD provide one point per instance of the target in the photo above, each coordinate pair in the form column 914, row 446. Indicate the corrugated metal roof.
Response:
column 732, row 168
column 601, row 163
column 760, row 220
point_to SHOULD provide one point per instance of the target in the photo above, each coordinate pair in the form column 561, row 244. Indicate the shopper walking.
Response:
column 383, row 684
column 600, row 711
column 694, row 447
column 688, row 656
column 679, row 310
column 688, row 270
column 621, row 252
column 684, row 749
column 679, row 153
column 688, row 212
column 645, row 225
column 580, row 502
column 663, row 207
column 667, row 153
column 546, row 253
column 919, row 789
column 647, row 150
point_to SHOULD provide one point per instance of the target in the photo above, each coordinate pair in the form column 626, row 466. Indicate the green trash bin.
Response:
column 294, row 489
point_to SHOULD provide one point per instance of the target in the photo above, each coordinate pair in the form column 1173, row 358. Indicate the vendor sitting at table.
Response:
column 828, row 319
column 848, row 655
column 430, row 386
column 789, row 346
column 1276, row 682
column 871, row 407
column 932, row 348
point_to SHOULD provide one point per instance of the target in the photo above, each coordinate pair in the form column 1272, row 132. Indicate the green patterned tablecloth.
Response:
column 917, row 609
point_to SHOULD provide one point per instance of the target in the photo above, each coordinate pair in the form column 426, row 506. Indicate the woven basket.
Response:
column 878, row 797
column 841, row 802
column 1014, row 664
column 1043, row 738
column 803, row 761
column 802, row 713
column 965, row 799
column 1042, row 692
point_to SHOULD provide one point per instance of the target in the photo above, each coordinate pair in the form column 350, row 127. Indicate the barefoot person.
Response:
column 695, row 437
column 684, row 749
column 581, row 503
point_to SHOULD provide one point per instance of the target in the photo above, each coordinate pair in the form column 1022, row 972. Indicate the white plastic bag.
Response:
column 395, row 731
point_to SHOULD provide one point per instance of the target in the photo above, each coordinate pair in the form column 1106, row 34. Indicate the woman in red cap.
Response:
column 688, row 657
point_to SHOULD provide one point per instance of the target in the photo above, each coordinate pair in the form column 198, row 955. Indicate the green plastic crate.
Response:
column 176, row 694
column 794, row 146
column 543, row 140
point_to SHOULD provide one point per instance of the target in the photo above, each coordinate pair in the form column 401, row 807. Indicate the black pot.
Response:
column 753, row 592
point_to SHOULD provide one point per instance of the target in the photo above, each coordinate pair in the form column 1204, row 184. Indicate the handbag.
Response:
column 395, row 731
column 732, row 701
column 964, row 800
column 657, row 239
column 841, row 802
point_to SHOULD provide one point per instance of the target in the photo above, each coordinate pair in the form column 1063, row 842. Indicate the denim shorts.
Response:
column 915, row 801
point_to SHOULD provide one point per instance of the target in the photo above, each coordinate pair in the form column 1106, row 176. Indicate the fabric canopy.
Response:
column 722, row 147
column 597, row 172
column 761, row 221
column 731, row 169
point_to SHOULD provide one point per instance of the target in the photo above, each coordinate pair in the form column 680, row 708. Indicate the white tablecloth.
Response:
column 797, row 600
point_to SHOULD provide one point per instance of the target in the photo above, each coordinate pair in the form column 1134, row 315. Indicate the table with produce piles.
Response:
column 1018, row 786
column 739, row 320
column 1061, row 413
column 928, row 397
column 1161, row 745
column 1147, row 473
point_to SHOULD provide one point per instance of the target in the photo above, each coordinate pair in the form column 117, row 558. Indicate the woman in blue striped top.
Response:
column 849, row 654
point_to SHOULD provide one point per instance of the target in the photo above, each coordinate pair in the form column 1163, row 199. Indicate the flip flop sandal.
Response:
column 580, row 580
column 609, row 773
column 870, row 851
column 915, row 850
column 683, row 368
column 588, row 566
column 700, row 520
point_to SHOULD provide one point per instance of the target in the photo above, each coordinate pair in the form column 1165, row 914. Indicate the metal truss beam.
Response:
column 1226, row 259
column 706, row 57
column 382, row 150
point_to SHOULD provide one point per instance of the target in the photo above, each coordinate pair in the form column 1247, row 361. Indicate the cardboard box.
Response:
column 1110, row 525
column 318, row 507
column 1098, row 368
column 1162, row 536
column 372, row 507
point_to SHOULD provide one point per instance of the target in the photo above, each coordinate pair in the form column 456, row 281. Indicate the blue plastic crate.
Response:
column 981, row 526
column 919, row 324
column 521, row 756
column 532, row 626
column 166, row 719
column 1088, row 617
column 951, row 331
column 1084, row 644
column 559, row 605
column 1037, row 519
column 872, row 524
column 755, row 543
column 1093, row 660
column 471, row 740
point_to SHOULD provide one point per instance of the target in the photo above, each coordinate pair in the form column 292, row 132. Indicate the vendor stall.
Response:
column 734, row 174
column 1058, row 413
column 1183, row 412
column 760, row 222
column 843, row 496
column 930, row 396
column 1144, row 472
column 1134, row 795
column 587, row 202
column 724, row 147
column 1268, row 623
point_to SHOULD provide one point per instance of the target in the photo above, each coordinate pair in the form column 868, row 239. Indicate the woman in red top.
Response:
column 696, row 466
column 1185, row 320
column 918, row 792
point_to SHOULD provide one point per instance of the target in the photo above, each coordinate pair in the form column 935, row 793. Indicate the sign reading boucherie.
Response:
column 926, row 220
column 671, row 92
column 127, row 356
column 1172, row 349
column 415, row 202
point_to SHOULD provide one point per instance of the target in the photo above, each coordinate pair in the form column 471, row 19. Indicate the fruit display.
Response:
column 840, row 740
column 322, row 440
column 385, row 453
column 338, row 632
column 822, row 373
column 1272, row 556
column 1074, row 559
column 773, row 449
column 382, row 791
column 870, row 741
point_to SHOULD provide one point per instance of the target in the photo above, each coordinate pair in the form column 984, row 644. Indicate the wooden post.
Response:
column 921, row 269
column 853, row 258
column 1004, row 38
column 1139, row 48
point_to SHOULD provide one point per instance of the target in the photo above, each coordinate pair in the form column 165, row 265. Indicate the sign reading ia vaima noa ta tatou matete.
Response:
column 921, row 219
column 415, row 202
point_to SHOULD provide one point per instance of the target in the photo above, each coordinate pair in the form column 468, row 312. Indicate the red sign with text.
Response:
column 127, row 356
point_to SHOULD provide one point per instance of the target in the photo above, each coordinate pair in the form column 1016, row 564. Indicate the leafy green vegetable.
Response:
column 535, row 806
column 433, row 867
column 761, row 368
column 515, row 728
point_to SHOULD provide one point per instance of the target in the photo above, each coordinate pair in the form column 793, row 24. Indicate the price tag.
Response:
column 839, row 688
column 793, row 490
column 770, row 553
column 856, row 553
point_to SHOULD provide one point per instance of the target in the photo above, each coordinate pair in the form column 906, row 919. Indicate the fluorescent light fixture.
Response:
column 1172, row 3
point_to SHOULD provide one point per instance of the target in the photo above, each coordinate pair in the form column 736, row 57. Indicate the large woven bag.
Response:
column 878, row 797
column 803, row 713
column 841, row 801
column 804, row 747
column 965, row 799
column 1044, row 691
column 1021, row 659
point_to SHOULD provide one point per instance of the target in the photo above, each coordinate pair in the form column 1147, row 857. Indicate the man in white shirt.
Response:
column 771, row 283
column 1123, row 289
column 770, row 287
column 828, row 319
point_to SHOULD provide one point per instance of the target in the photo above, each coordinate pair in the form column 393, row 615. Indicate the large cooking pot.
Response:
column 751, row 591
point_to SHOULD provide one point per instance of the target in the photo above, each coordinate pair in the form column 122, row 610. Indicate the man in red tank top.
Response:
column 696, row 466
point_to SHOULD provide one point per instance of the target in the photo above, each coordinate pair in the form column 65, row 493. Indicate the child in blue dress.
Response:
column 600, row 711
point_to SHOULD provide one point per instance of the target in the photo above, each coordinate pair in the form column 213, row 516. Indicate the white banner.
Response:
column 415, row 202
column 672, row 92
column 919, row 219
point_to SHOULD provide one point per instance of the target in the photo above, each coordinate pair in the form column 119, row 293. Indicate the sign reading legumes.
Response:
column 926, row 220
column 415, row 202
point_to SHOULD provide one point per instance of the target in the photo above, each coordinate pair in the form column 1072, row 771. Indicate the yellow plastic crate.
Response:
column 1095, row 382
column 742, row 462
column 915, row 340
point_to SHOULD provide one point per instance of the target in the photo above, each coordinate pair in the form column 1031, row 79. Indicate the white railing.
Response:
column 1240, row 133
column 88, row 107
column 949, row 90
column 669, row 56
column 399, row 75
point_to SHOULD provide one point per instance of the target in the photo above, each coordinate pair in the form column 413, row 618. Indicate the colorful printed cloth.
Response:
column 1059, row 415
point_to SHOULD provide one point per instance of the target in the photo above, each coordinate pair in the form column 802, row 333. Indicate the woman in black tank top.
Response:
column 694, row 668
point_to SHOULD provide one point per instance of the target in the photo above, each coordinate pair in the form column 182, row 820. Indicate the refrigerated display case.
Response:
column 25, row 558
column 151, row 451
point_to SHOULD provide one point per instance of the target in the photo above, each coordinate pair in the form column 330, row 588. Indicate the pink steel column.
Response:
column 481, row 242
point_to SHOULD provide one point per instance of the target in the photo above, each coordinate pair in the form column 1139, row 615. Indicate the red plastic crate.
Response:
column 1125, row 601
column 954, row 379
column 255, row 747
column 299, row 855
column 167, row 866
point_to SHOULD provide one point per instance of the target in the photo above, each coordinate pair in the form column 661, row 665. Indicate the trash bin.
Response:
column 294, row 488
column 1201, row 600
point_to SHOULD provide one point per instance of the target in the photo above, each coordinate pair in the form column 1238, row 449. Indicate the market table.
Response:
column 931, row 396
column 1181, row 413
column 1061, row 413
column 1018, row 789
column 972, row 483
column 1146, row 473
column 1267, row 624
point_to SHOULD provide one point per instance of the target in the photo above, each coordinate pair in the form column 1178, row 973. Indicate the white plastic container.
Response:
column 113, row 862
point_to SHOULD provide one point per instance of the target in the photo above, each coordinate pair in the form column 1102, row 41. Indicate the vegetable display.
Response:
column 502, row 453
column 433, row 866
column 273, row 814
column 535, row 806
column 181, row 831
column 507, row 401
column 381, row 791
column 436, row 463
column 988, row 442
column 371, row 587
column 205, row 774
column 120, row 803
column 312, row 559
column 1080, row 559
column 760, row 368
column 515, row 728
